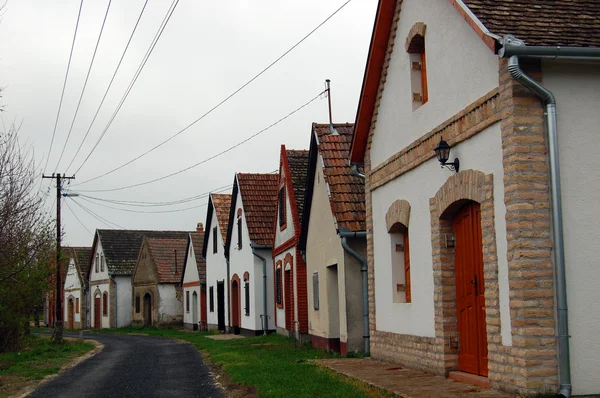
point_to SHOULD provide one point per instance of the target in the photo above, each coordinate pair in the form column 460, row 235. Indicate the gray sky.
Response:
column 207, row 51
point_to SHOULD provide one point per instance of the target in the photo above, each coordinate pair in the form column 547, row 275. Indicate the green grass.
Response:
column 275, row 365
column 36, row 359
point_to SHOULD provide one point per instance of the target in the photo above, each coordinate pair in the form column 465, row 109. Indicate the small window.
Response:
column 97, row 263
column 415, row 46
column 187, row 301
column 105, row 304
column 77, row 305
column 214, row 234
column 239, row 231
column 316, row 291
column 281, row 205
column 247, row 297
column 137, row 304
column 211, row 299
column 278, row 284
column 102, row 263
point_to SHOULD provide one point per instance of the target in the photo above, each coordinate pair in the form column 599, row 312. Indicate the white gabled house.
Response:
column 193, row 282
column 213, row 252
column 248, row 248
column 75, row 288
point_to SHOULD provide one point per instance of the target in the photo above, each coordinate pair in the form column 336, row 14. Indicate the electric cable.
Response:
column 109, row 85
column 211, row 157
column 142, row 211
column 216, row 106
column 64, row 85
column 84, row 86
column 134, row 80
column 96, row 216
column 77, row 218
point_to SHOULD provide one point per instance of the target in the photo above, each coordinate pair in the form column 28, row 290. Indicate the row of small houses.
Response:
column 363, row 243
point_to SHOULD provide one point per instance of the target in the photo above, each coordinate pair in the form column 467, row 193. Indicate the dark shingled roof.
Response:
column 163, row 252
column 222, row 203
column 121, row 247
column 347, row 191
column 197, row 240
column 298, row 163
column 259, row 197
column 571, row 23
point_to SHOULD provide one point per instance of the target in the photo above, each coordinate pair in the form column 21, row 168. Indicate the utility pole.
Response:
column 57, row 336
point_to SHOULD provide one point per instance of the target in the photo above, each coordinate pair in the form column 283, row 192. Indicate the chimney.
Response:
column 199, row 227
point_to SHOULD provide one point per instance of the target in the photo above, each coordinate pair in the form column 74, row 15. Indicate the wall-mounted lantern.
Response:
column 442, row 151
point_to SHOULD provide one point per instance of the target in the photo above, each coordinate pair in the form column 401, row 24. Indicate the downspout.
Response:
column 357, row 172
column 228, row 296
column 116, row 301
column 265, row 306
column 345, row 234
column 513, row 49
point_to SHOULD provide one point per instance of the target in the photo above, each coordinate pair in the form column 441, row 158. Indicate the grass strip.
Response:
column 273, row 365
column 36, row 359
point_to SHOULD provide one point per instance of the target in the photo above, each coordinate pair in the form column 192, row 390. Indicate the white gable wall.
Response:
column 169, row 306
column 216, row 270
column 72, row 289
column 282, row 236
column 124, row 294
column 460, row 69
column 578, row 101
column 191, row 276
column 99, row 283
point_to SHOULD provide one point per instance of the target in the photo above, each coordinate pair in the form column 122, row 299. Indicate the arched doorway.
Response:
column 235, row 305
column 70, row 314
column 147, row 309
column 97, row 311
column 470, row 290
column 195, row 310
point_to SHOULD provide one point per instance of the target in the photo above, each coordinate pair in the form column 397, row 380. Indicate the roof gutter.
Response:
column 265, row 316
column 512, row 49
column 345, row 233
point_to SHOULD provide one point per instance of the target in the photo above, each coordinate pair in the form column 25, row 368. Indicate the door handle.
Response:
column 474, row 282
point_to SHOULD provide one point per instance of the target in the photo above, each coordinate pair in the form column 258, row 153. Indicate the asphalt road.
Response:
column 135, row 366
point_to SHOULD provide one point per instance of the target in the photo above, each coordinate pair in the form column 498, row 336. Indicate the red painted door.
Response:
column 203, row 315
column 470, row 300
column 97, row 315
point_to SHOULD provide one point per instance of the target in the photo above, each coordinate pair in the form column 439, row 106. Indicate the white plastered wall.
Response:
column 460, row 69
column 576, row 88
column 483, row 152
column 191, row 276
column 95, row 284
column 288, row 232
column 216, row 270
column 323, row 251
column 72, row 289
column 124, row 294
column 169, row 306
column 281, row 311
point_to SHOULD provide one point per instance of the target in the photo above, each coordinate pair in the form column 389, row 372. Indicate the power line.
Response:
column 212, row 157
column 216, row 106
column 77, row 218
column 134, row 203
column 64, row 86
column 109, row 84
column 84, row 84
column 134, row 80
column 142, row 211
column 97, row 217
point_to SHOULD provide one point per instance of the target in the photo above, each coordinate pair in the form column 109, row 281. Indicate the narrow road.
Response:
column 135, row 366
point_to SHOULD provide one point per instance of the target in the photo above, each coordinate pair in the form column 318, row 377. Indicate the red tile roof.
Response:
column 259, row 198
column 571, row 23
column 347, row 191
column 197, row 240
column 164, row 252
column 222, row 203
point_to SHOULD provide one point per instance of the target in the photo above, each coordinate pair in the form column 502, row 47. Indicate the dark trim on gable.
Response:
column 232, row 209
column 185, row 259
column 207, row 226
column 313, row 156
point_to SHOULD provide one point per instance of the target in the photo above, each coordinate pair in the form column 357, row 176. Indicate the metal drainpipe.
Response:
column 559, row 254
column 116, row 302
column 265, row 306
column 344, row 234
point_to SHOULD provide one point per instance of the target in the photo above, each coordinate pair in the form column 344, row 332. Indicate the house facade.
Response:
column 217, row 268
column 248, row 248
column 113, row 260
column 289, row 268
column 193, row 283
column 334, row 206
column 75, row 288
column 157, row 296
column 464, row 266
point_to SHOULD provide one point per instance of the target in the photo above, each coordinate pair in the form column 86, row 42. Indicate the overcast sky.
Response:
column 207, row 51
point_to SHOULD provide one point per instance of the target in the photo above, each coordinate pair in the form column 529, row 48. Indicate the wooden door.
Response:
column 203, row 305
column 235, row 304
column 470, row 289
column 70, row 315
column 289, row 300
column 221, row 305
column 97, row 314
column 147, row 309
column 195, row 311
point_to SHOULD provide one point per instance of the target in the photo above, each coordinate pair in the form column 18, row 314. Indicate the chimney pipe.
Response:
column 328, row 85
column 199, row 227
